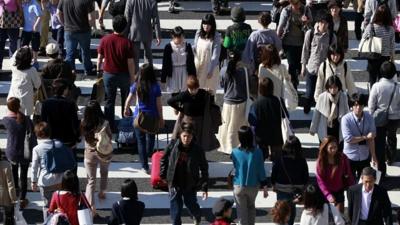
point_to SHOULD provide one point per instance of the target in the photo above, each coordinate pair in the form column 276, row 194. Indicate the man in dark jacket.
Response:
column 369, row 204
column 180, row 167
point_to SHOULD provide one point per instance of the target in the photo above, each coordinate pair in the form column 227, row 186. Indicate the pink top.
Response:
column 9, row 5
column 340, row 180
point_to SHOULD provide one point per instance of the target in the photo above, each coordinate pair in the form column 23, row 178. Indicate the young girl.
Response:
column 178, row 62
column 207, row 47
column 334, row 174
column 331, row 106
column 92, row 123
column 32, row 26
column 335, row 65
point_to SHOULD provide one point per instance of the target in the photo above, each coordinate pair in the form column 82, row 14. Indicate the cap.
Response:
column 221, row 205
column 237, row 14
column 52, row 49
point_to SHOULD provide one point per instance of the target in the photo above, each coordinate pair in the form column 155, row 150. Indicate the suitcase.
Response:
column 155, row 179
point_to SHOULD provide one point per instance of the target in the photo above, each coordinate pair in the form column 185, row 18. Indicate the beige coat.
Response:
column 347, row 80
column 7, row 188
column 277, row 73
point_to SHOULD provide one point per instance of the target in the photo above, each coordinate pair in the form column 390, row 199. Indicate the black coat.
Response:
column 196, row 164
column 129, row 212
column 380, row 211
column 167, row 62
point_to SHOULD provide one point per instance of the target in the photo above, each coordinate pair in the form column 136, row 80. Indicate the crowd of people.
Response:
column 259, row 92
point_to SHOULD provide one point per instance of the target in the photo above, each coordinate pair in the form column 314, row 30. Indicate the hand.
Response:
column 34, row 28
column 34, row 186
column 332, row 200
column 370, row 136
column 303, row 72
column 209, row 75
column 205, row 195
column 265, row 192
column 374, row 161
column 162, row 123
column 176, row 112
column 304, row 18
column 99, row 73
column 158, row 41
column 127, row 112
column 101, row 20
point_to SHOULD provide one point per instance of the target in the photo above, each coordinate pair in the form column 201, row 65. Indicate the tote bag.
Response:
column 371, row 47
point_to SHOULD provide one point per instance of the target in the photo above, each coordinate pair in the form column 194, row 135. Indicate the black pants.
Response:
column 373, row 68
column 293, row 55
column 358, row 166
column 386, row 144
column 22, row 177
column 357, row 25
column 8, row 217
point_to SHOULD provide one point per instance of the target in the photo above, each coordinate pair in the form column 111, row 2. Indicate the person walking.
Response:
column 8, row 195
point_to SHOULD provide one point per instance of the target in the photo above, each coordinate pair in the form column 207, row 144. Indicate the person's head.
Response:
column 358, row 102
column 129, row 189
column 246, row 138
column 119, row 23
column 177, row 35
column 368, row 176
column 14, row 105
column 92, row 118
column 383, row 16
column 329, row 149
column 238, row 15
column 42, row 130
column 336, row 54
column 222, row 208
column 52, row 50
column 146, row 79
column 60, row 87
column 323, row 21
column 335, row 8
column 186, row 134
column 388, row 70
column 281, row 212
column 265, row 86
column 70, row 182
column 208, row 26
column 292, row 147
column 192, row 84
column 294, row 2
column 270, row 56
column 265, row 19
column 23, row 58
column 333, row 85
column 314, row 200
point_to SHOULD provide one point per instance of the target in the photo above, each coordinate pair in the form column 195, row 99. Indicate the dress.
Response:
column 202, row 60
column 177, row 82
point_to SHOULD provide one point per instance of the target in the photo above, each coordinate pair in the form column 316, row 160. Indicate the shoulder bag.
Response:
column 84, row 212
column 370, row 47
column 297, row 192
column 103, row 146
column 381, row 117
column 145, row 121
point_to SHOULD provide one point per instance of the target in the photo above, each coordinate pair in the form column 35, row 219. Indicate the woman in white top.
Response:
column 317, row 211
column 25, row 79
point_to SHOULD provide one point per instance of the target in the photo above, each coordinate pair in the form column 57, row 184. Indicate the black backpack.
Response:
column 117, row 7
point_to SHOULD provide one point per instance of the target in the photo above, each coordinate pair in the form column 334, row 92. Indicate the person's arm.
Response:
column 36, row 79
column 371, row 141
column 60, row 14
column 247, row 55
column 204, row 171
column 35, row 168
column 128, row 102
column 10, row 184
column 103, row 7
column 36, row 27
column 277, row 41
column 164, row 162
column 337, row 217
column 373, row 100
column 319, row 86
column 191, row 67
column 228, row 42
column 368, row 12
column 128, row 15
column 176, row 101
column 252, row 119
column 282, row 23
column 305, row 54
column 350, row 204
column 215, row 54
column 350, row 85
column 131, row 68
column 53, row 203
column 100, row 59
column 322, row 185
column 348, row 136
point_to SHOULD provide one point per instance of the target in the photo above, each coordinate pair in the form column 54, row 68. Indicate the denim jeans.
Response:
column 288, row 197
column 12, row 35
column 72, row 39
column 177, row 198
column 111, row 83
column 145, row 143
column 58, row 35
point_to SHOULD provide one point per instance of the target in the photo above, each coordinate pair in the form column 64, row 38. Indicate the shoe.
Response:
column 147, row 171
column 36, row 65
column 172, row 9
column 23, row 203
column 196, row 222
column 389, row 162
column 102, row 27
column 307, row 107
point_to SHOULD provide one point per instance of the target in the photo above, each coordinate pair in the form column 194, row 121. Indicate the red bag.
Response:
column 155, row 179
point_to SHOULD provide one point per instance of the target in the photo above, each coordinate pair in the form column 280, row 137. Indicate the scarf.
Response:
column 333, row 114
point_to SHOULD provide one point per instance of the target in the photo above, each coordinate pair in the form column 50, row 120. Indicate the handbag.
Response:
column 11, row 19
column 249, row 101
column 290, row 96
column 98, row 91
column 371, row 47
column 103, row 145
column 381, row 117
column 286, row 128
column 84, row 212
column 30, row 140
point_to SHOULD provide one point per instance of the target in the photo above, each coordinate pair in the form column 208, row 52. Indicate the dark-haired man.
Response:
column 119, row 68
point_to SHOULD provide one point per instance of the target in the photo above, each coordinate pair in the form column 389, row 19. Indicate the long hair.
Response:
column 270, row 56
column 146, row 79
column 70, row 182
column 314, row 199
column 208, row 19
column 383, row 16
column 14, row 105
column 323, row 155
column 292, row 147
column 92, row 118
column 280, row 212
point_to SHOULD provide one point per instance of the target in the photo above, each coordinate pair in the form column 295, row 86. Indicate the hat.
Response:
column 52, row 49
column 221, row 205
column 237, row 14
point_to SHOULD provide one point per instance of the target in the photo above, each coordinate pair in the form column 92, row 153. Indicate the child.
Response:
column 31, row 30
column 57, row 28
column 222, row 211
column 178, row 62
column 128, row 210
column 281, row 213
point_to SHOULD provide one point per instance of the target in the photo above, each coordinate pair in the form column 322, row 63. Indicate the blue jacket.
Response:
column 249, row 167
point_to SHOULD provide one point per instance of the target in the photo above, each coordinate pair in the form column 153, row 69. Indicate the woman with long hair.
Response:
column 249, row 169
column 92, row 124
column 148, row 94
column 207, row 47
column 17, row 125
column 24, row 79
column 334, row 173
column 335, row 65
column 234, row 107
column 381, row 27
column 331, row 106
column 68, row 198
column 316, row 210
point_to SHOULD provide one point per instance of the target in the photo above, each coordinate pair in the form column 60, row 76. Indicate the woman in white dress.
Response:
column 178, row 62
column 24, row 80
column 207, row 48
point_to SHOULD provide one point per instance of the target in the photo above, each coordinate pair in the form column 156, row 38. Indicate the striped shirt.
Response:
column 387, row 35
